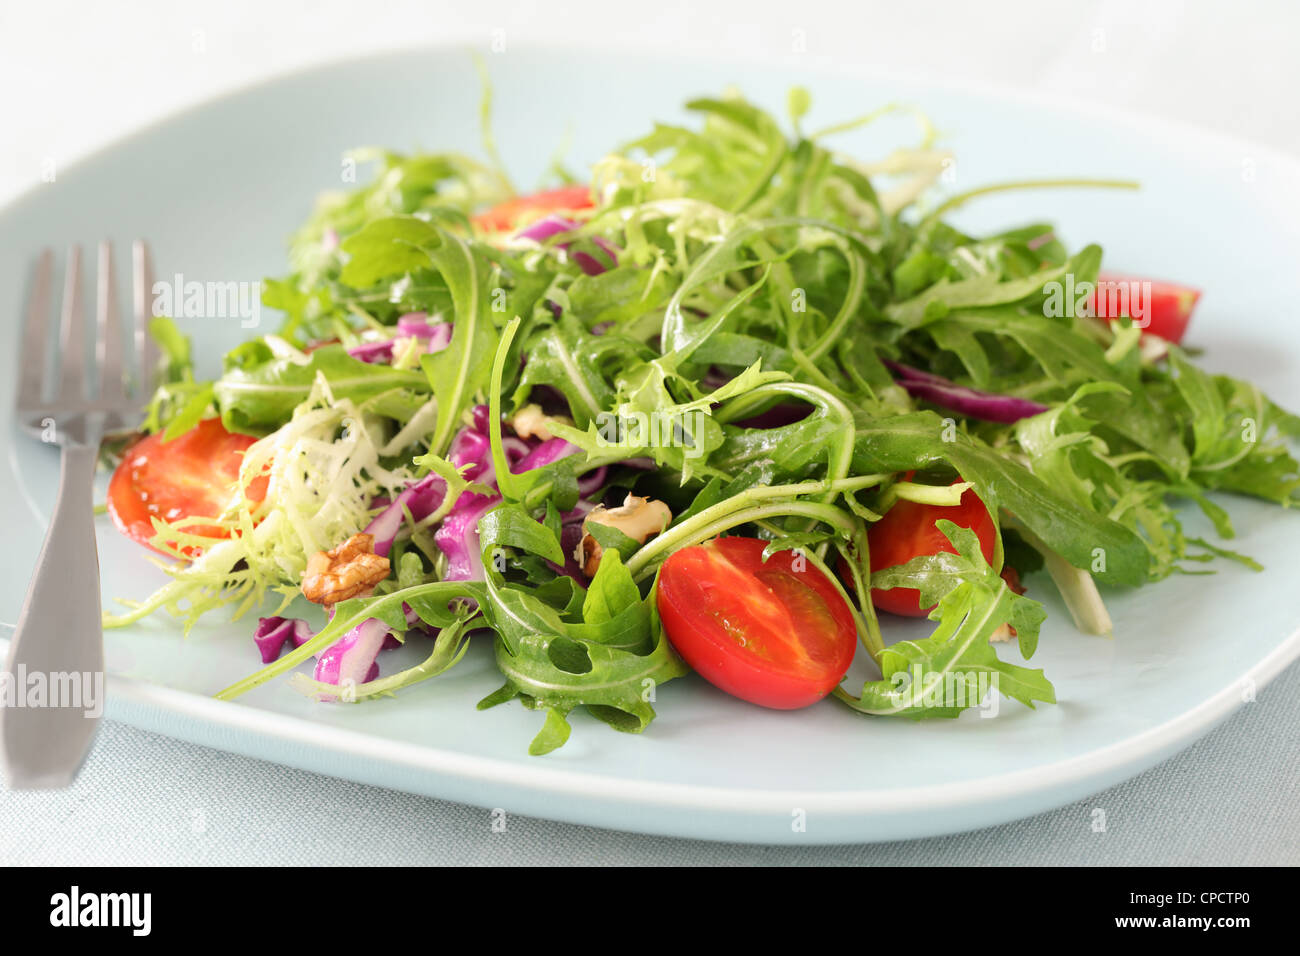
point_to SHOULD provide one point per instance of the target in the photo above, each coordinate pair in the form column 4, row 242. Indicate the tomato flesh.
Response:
column 521, row 210
column 195, row 475
column 908, row 530
column 774, row 633
column 1168, row 307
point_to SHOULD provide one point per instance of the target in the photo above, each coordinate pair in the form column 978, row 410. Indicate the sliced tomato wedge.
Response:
column 907, row 531
column 775, row 633
column 195, row 475
column 1167, row 305
column 522, row 210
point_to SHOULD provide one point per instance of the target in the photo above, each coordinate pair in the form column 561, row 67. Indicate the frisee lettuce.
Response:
column 324, row 471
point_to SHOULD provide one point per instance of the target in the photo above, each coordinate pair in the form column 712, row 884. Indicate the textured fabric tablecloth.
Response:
column 1231, row 799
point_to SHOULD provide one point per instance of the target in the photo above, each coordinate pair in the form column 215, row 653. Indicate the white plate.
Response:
column 217, row 189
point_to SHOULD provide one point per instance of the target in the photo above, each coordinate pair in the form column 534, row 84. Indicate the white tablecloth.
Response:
column 76, row 75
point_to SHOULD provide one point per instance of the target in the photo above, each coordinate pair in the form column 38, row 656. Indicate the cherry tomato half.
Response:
column 193, row 475
column 908, row 530
column 774, row 633
column 521, row 210
column 1168, row 310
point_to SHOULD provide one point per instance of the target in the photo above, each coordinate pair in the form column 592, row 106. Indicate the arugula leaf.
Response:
column 618, row 295
column 176, row 408
column 510, row 526
column 610, row 591
column 176, row 361
column 258, row 399
column 386, row 248
column 558, row 673
column 647, row 420
column 461, row 370
column 611, row 539
column 189, row 414
column 609, row 662
column 1237, row 434
column 405, row 245
column 941, row 675
column 990, row 289
column 1085, row 538
column 568, row 358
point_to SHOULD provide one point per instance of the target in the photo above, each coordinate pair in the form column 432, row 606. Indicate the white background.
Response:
column 74, row 76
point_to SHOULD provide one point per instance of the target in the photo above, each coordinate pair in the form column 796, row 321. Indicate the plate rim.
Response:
column 132, row 698
column 1138, row 751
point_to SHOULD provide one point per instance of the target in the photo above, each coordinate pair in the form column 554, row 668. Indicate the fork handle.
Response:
column 60, row 636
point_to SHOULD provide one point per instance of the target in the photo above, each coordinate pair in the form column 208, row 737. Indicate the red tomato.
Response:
column 522, row 210
column 193, row 475
column 1168, row 310
column 764, row 632
column 908, row 530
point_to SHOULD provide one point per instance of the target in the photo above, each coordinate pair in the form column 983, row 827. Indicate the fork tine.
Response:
column 111, row 384
column 146, row 350
column 33, row 358
column 72, row 380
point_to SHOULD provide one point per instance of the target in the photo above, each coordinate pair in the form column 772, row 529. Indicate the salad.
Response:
column 733, row 404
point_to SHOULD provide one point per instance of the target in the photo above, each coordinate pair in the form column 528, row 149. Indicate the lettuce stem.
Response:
column 961, row 199
column 501, row 465
column 748, row 506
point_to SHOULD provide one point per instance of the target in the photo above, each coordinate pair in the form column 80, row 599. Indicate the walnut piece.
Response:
column 531, row 422
column 350, row 570
column 638, row 518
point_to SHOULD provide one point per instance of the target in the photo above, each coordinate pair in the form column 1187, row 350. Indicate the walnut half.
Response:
column 531, row 422
column 638, row 518
column 350, row 570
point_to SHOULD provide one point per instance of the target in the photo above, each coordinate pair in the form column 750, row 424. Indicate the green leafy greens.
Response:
column 731, row 356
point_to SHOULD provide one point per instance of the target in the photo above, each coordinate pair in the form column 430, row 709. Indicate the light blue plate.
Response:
column 217, row 189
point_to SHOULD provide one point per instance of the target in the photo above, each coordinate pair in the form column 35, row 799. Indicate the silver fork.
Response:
column 59, row 634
